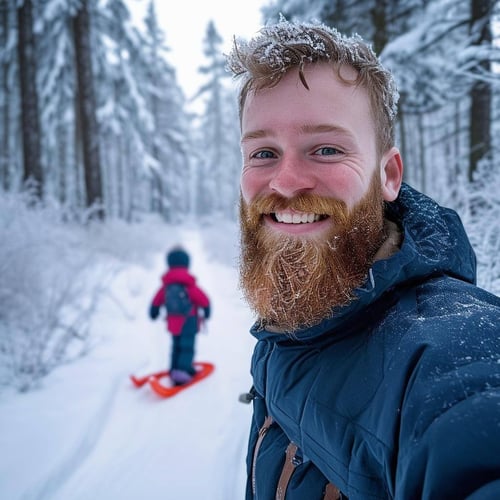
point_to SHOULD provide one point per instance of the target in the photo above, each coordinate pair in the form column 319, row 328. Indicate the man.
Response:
column 377, row 367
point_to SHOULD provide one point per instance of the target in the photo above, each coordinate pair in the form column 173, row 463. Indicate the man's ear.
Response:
column 391, row 173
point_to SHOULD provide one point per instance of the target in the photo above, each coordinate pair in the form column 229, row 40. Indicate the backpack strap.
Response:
column 262, row 433
column 291, row 462
column 286, row 473
column 332, row 493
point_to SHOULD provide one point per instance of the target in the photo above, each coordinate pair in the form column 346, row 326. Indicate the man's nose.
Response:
column 291, row 177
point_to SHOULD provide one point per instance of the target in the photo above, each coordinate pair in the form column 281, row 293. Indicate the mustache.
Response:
column 303, row 202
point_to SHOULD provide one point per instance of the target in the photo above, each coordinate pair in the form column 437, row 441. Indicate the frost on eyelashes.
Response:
column 278, row 47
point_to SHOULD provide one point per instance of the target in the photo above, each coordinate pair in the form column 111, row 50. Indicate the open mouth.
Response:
column 297, row 218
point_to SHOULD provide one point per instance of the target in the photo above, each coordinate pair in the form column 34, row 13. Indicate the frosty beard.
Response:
column 294, row 282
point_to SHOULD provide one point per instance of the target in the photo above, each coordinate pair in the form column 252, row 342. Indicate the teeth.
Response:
column 304, row 218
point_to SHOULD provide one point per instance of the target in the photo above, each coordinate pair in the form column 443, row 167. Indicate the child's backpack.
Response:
column 177, row 300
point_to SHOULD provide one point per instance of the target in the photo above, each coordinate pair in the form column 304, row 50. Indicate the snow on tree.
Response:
column 113, row 128
column 219, row 165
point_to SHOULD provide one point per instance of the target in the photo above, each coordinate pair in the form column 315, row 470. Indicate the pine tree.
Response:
column 7, row 95
column 87, row 109
column 32, row 172
column 481, row 92
column 170, row 140
column 219, row 133
column 57, row 87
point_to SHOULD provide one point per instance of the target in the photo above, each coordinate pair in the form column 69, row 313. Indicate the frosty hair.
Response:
column 278, row 48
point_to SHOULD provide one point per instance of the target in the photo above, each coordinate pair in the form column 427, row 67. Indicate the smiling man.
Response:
column 376, row 372
column 312, row 194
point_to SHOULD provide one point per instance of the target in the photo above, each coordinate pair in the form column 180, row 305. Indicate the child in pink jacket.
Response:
column 183, row 327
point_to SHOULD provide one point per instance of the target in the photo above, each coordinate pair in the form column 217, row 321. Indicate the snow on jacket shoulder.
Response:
column 398, row 394
column 196, row 295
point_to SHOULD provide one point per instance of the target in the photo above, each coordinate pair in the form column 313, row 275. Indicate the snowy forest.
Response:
column 95, row 134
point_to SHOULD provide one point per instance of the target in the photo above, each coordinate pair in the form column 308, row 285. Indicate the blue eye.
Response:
column 328, row 151
column 264, row 154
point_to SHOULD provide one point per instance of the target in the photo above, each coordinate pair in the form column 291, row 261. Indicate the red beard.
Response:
column 294, row 282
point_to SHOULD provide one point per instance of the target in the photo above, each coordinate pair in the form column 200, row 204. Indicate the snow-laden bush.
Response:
column 48, row 290
column 478, row 204
column 483, row 225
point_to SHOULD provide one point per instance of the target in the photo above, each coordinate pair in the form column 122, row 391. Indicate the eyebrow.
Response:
column 255, row 134
column 323, row 128
column 305, row 129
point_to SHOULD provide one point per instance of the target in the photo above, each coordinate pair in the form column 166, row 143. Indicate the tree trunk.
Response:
column 4, row 100
column 480, row 94
column 29, row 98
column 87, row 110
column 379, row 20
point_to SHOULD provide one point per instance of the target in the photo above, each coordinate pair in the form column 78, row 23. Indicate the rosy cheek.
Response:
column 252, row 184
column 338, row 187
column 344, row 185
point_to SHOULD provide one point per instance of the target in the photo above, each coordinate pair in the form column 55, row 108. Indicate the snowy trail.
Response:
column 106, row 440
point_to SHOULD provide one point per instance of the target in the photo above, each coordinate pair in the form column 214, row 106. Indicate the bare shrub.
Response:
column 48, row 290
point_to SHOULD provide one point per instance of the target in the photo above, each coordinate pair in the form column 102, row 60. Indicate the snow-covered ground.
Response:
column 87, row 433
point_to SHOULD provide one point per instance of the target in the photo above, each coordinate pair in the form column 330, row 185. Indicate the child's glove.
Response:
column 206, row 311
column 154, row 311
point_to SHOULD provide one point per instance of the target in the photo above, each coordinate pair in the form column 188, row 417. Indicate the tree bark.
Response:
column 481, row 93
column 4, row 100
column 379, row 20
column 87, row 110
column 32, row 168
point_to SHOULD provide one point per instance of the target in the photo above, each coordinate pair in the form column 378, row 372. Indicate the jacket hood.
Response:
column 178, row 275
column 434, row 244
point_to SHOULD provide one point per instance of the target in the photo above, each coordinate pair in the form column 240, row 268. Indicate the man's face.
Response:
column 319, row 141
column 312, row 196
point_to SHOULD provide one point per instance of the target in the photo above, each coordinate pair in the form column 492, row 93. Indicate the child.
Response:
column 182, row 325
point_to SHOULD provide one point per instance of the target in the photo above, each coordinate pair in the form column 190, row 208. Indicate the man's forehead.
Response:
column 322, row 82
column 342, row 73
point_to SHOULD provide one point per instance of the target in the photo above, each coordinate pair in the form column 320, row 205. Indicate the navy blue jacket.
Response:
column 398, row 394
